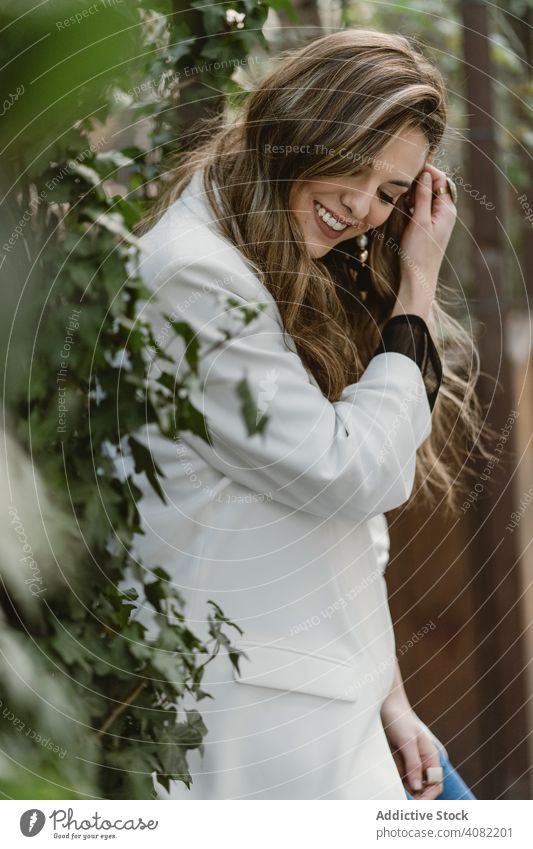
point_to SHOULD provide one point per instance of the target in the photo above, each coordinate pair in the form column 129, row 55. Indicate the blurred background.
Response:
column 97, row 99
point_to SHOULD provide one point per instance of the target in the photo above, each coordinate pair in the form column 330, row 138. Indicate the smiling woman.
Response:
column 324, row 150
column 328, row 150
column 349, row 205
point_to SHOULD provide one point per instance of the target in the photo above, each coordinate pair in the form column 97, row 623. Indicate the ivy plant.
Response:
column 77, row 391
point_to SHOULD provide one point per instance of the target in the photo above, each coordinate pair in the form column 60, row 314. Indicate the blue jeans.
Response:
column 453, row 786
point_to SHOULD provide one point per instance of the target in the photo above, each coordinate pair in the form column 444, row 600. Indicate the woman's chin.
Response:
column 318, row 251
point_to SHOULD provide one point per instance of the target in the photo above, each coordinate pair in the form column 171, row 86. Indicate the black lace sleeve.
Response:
column 409, row 334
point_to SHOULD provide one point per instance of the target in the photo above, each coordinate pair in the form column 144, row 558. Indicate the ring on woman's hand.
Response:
column 450, row 188
column 434, row 775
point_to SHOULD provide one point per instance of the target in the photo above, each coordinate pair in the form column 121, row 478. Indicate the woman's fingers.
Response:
column 423, row 196
column 412, row 766
column 442, row 200
column 425, row 238
column 429, row 756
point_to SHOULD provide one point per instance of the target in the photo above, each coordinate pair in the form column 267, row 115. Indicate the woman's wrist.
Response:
column 396, row 703
column 414, row 298
column 405, row 307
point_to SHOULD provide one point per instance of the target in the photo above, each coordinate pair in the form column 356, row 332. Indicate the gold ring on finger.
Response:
column 450, row 188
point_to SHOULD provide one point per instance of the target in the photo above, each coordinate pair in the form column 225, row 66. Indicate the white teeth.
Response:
column 330, row 221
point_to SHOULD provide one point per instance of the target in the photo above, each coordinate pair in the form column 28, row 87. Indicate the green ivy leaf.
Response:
column 249, row 409
column 144, row 462
column 181, row 328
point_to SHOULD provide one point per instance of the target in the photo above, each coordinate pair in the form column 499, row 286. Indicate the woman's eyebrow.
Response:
column 400, row 183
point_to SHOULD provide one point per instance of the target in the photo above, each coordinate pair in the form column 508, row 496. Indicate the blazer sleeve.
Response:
column 409, row 334
column 351, row 459
column 379, row 532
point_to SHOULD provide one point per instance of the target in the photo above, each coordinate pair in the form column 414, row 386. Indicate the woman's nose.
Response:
column 358, row 202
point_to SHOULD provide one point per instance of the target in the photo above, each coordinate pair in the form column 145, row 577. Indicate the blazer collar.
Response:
column 195, row 199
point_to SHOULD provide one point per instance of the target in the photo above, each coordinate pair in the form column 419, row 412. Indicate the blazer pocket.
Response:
column 289, row 669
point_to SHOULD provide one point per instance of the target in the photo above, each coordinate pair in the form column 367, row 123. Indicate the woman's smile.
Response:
column 331, row 224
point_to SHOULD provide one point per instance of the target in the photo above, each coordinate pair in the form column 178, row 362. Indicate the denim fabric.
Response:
column 453, row 786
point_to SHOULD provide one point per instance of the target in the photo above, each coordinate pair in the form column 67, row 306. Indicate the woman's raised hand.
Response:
column 424, row 242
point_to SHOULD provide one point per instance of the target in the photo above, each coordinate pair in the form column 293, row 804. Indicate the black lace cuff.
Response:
column 409, row 334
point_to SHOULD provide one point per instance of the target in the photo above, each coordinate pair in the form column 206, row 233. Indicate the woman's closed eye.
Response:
column 383, row 198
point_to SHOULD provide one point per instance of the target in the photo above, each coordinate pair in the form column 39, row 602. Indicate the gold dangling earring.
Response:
column 363, row 273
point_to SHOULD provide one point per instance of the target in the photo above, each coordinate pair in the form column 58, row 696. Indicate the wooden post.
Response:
column 523, row 29
column 494, row 555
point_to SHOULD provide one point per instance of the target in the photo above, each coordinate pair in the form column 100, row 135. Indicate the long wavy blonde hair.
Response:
column 335, row 102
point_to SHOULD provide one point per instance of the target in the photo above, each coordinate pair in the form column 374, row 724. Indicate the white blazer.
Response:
column 284, row 529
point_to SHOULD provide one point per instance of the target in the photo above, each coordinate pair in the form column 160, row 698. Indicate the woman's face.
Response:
column 331, row 210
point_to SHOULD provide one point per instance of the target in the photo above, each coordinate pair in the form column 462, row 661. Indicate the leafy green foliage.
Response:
column 93, row 677
column 249, row 409
column 206, row 43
